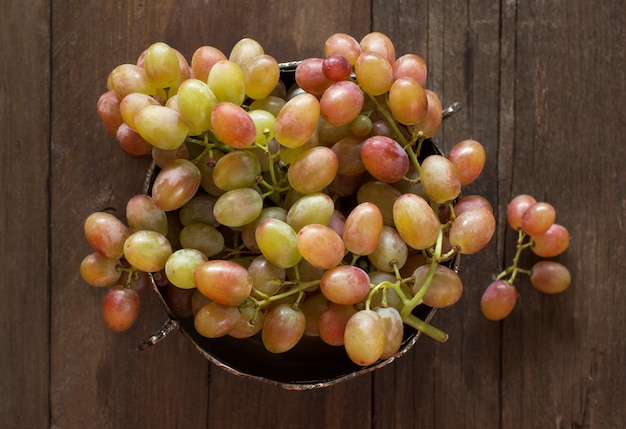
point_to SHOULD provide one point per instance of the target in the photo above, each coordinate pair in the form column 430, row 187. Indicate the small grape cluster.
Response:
column 284, row 210
column 537, row 230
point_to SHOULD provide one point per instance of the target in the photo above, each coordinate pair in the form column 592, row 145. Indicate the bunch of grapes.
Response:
column 289, row 209
column 537, row 230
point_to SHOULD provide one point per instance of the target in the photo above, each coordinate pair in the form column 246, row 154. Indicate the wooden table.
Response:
column 543, row 87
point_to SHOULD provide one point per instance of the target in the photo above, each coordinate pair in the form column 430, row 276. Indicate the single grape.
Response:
column 336, row 67
column 120, row 308
column 227, row 82
column 161, row 65
column 379, row 43
column 283, row 328
column 472, row 230
column 364, row 337
column 384, row 159
column 203, row 60
column 244, row 51
column 313, row 307
column 468, row 156
column 278, row 242
column 97, row 270
column 550, row 277
column 264, row 123
column 408, row 101
column 374, row 73
column 341, row 103
column 198, row 209
column 314, row 208
column 147, row 250
column 175, row 184
column 108, row 108
column 345, row 284
column 516, row 209
column 431, row 123
column 348, row 151
column 215, row 320
column 196, row 102
column 394, row 330
column 410, row 65
column 200, row 236
column 143, row 213
column 391, row 250
column 537, row 218
column 127, row 78
column 233, row 125
column 551, row 243
column 415, row 221
column 320, row 246
column 238, row 207
column 332, row 323
column 223, row 281
column 131, row 142
column 445, row 288
column 381, row 194
column 106, row 234
column 249, row 324
column 361, row 126
column 498, row 300
column 440, row 179
column 248, row 231
column 261, row 75
column 471, row 202
column 267, row 278
column 161, row 126
column 181, row 265
column 313, row 170
column 363, row 228
column 297, row 120
column 238, row 169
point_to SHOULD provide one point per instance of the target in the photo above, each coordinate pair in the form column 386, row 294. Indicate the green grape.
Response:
column 181, row 265
column 384, row 159
column 232, row 125
column 310, row 76
column 408, row 101
column 238, row 169
column 297, row 120
column 342, row 44
column 311, row 208
column 267, row 278
column 538, row 218
column 440, row 180
column 215, row 320
column 445, row 288
column 278, row 242
column 348, row 151
column 468, row 156
column 106, row 234
column 361, row 126
column 238, row 207
column 200, row 236
column 364, row 337
column 147, row 250
column 320, row 246
column 363, row 228
column 196, row 102
column 550, row 277
column 203, row 60
column 410, row 65
column 175, row 184
column 313, row 170
column 161, row 126
column 132, row 103
column 227, row 82
column 97, row 270
column 261, row 75
column 374, row 73
column 161, row 65
column 345, row 284
column 498, row 300
column 225, row 282
column 472, row 230
column 120, row 308
column 332, row 323
column 108, row 108
column 198, row 209
column 283, row 328
column 391, row 248
column 551, row 243
column 264, row 123
column 127, row 78
column 416, row 221
column 143, row 213
column 394, row 330
column 379, row 43
column 244, row 51
column 341, row 103
column 248, row 231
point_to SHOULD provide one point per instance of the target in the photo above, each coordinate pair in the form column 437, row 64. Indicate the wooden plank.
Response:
column 24, row 228
column 562, row 353
column 460, row 42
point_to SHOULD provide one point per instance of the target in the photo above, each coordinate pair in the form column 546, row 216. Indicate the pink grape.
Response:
column 127, row 78
column 310, row 76
column 341, row 103
column 332, row 323
column 97, row 270
column 345, row 284
column 108, row 108
column 233, row 125
column 516, row 208
column 175, row 184
column 343, row 44
column 471, row 202
column 498, row 300
column 223, row 281
column 106, row 234
column 408, row 101
column 283, row 328
column 468, row 156
column 320, row 246
column 203, row 60
column 379, row 43
column 297, row 120
column 364, row 338
column 120, row 308
column 384, row 159
column 550, row 277
column 374, row 73
column 313, row 170
column 472, row 230
column 445, row 288
column 362, row 229
column 440, row 179
column 132, row 143
column 410, row 65
column 537, row 218
column 215, row 320
column 551, row 243
column 336, row 67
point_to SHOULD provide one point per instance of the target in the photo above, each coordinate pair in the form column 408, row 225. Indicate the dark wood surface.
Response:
column 543, row 87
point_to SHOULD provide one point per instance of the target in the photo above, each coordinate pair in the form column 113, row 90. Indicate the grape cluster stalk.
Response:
column 291, row 209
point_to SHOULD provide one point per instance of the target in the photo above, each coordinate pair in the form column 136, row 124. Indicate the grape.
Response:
column 108, row 108
column 132, row 143
column 198, row 300
column 215, row 320
column 198, row 209
column 364, row 337
column 140, row 281
column 248, row 231
column 342, row 44
column 345, row 284
column 297, row 120
column 373, row 73
column 267, row 278
column 238, row 169
column 147, row 250
column 175, row 184
column 394, row 330
column 440, row 179
column 315, row 208
column 344, row 186
column 313, row 170
column 232, row 125
column 472, row 230
column 430, row 124
column 206, row 165
column 161, row 65
column 468, row 156
column 550, row 277
column 348, row 151
column 143, row 213
column 310, row 76
column 381, row 194
column 288, row 155
column 498, row 300
column 336, row 67
column 516, row 209
column 537, row 218
column 320, row 246
column 127, row 78
column 379, row 43
column 384, row 159
column 203, row 60
column 195, row 102
column 381, row 128
column 120, row 308
column 408, row 101
column 249, row 324
column 415, row 221
column 181, row 265
column 264, row 123
column 244, row 51
column 391, row 248
column 261, row 75
column 332, row 323
column 278, row 242
column 551, row 243
column 313, row 307
column 131, row 104
column 225, row 282
column 161, row 126
column 238, row 207
column 283, row 328
column 106, row 234
column 162, row 157
column 341, row 103
column 363, row 228
column 202, row 237
column 410, row 65
column 329, row 134
column 97, row 270
column 361, row 126
column 227, row 82
column 471, row 202
column 271, row 104
column 445, row 288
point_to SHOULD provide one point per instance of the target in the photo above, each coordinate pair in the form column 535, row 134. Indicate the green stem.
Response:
column 425, row 328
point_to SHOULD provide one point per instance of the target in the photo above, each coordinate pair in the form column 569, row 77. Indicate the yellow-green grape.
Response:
column 200, row 236
column 244, row 51
column 161, row 126
column 195, row 102
column 278, row 242
column 227, row 83
column 261, row 75
column 415, row 221
column 311, row 208
column 181, row 265
column 238, row 169
column 391, row 250
column 132, row 103
column 161, row 65
column 147, row 250
column 264, row 123
column 238, row 207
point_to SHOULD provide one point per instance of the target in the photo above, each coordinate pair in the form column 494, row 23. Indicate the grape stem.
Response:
column 514, row 269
